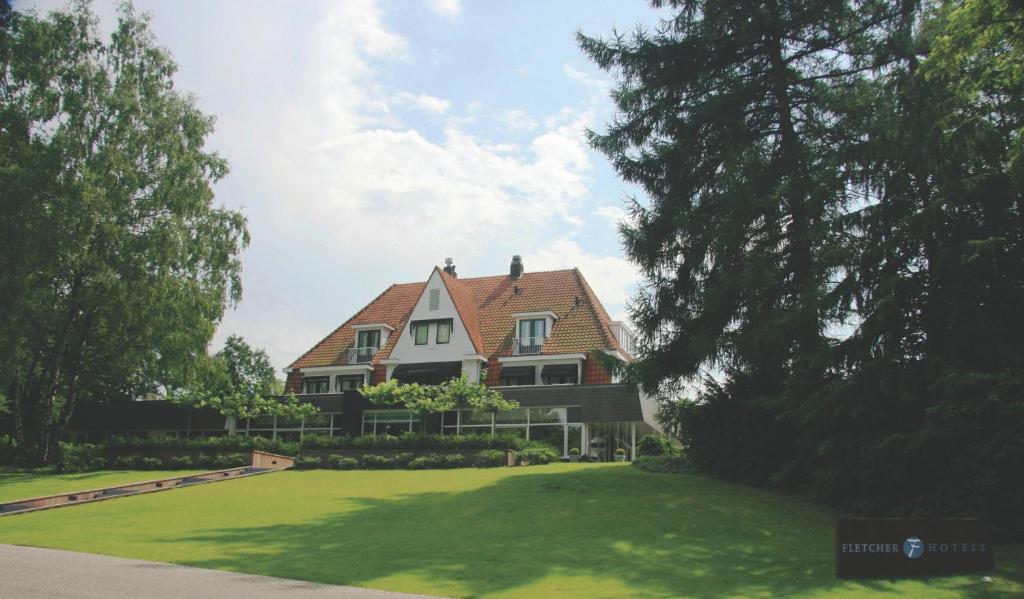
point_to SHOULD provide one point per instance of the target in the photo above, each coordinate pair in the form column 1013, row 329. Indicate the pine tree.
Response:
column 729, row 117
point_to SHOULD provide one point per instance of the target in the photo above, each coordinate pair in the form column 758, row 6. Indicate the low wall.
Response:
column 325, row 454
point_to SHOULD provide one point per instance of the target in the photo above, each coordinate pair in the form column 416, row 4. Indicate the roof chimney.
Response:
column 516, row 268
column 449, row 267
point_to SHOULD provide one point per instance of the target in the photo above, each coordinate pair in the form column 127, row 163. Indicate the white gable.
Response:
column 435, row 303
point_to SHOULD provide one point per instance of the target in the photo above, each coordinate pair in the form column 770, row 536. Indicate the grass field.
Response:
column 566, row 530
column 23, row 485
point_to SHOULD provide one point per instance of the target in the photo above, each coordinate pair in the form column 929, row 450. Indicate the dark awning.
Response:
column 560, row 370
column 598, row 403
column 427, row 372
column 517, row 371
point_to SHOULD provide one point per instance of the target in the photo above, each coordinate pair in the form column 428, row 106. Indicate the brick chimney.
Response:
column 515, row 270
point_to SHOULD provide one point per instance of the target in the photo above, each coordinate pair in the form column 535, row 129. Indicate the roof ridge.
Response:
column 453, row 286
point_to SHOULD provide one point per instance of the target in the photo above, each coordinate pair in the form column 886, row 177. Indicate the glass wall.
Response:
column 324, row 423
column 547, row 425
column 391, row 422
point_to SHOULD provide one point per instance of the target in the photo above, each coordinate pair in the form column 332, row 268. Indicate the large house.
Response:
column 535, row 337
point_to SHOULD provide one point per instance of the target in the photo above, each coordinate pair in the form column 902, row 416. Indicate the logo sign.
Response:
column 894, row 548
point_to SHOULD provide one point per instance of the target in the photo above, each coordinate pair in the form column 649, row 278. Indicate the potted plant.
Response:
column 574, row 454
column 620, row 455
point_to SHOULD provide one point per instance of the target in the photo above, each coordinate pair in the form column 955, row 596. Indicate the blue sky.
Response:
column 368, row 140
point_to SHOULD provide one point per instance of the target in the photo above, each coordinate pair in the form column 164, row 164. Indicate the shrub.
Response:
column 343, row 462
column 536, row 454
column 424, row 462
column 205, row 460
column 149, row 463
column 433, row 460
column 620, row 451
column 374, row 462
column 307, row 462
column 490, row 458
column 180, row 462
column 125, row 462
column 82, row 458
column 453, row 460
column 325, row 442
column 230, row 460
column 574, row 451
column 654, row 445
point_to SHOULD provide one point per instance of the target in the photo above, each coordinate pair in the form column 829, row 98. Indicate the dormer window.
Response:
column 316, row 384
column 532, row 328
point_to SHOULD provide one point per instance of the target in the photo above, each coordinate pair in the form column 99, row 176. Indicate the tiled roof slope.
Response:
column 486, row 306
column 465, row 304
column 391, row 307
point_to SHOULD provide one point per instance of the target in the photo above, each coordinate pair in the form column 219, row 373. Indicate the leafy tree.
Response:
column 729, row 117
column 240, row 381
column 116, row 264
column 449, row 395
column 835, row 231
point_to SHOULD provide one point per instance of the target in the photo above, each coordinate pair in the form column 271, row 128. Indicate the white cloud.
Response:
column 344, row 194
column 517, row 120
column 445, row 8
column 613, row 214
column 423, row 102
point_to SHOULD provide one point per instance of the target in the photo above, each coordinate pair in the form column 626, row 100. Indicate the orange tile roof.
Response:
column 486, row 305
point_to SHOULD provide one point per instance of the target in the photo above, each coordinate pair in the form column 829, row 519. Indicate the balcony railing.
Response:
column 527, row 346
column 361, row 355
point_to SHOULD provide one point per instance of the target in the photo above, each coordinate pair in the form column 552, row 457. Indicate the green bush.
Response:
column 125, row 462
column 307, row 462
column 574, row 451
column 343, row 462
column 205, row 460
column 325, row 442
column 82, row 457
column 536, row 454
column 490, row 458
column 374, row 462
column 654, row 445
column 453, row 460
column 425, row 462
column 180, row 462
column 149, row 463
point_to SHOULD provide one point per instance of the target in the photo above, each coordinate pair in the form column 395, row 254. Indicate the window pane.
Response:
column 444, row 332
column 450, row 418
column 345, row 383
column 475, row 430
column 368, row 339
column 470, row 417
column 512, row 431
column 514, row 416
column 549, row 435
column 421, row 331
column 262, row 422
column 317, row 421
column 289, row 422
column 547, row 415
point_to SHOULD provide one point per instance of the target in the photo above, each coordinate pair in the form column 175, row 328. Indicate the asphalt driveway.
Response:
column 34, row 573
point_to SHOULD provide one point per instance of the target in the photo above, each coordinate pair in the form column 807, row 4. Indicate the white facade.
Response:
column 459, row 346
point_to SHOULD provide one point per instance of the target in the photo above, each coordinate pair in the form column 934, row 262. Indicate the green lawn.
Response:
column 23, row 485
column 559, row 530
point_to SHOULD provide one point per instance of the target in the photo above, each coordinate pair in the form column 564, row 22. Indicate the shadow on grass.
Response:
column 644, row 533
